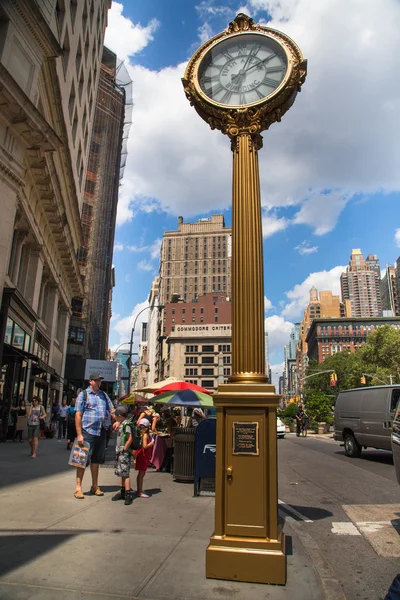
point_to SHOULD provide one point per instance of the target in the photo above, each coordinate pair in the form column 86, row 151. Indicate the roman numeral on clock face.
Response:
column 210, row 78
column 213, row 90
column 277, row 69
column 269, row 81
column 226, row 97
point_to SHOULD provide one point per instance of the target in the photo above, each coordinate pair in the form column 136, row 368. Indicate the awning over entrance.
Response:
column 17, row 353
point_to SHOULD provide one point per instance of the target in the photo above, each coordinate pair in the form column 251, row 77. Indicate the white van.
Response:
column 363, row 418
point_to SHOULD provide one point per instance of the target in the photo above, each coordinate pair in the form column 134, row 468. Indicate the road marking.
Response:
column 294, row 512
column 379, row 524
column 344, row 529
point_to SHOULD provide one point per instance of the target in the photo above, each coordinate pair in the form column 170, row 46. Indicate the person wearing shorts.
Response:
column 91, row 416
column 35, row 414
column 123, row 455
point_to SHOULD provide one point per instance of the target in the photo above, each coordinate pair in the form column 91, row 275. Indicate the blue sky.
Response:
column 330, row 175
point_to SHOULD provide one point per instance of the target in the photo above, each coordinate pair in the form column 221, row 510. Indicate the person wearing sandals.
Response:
column 143, row 455
column 91, row 415
column 35, row 414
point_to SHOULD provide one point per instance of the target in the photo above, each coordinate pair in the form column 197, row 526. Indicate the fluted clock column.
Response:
column 248, row 350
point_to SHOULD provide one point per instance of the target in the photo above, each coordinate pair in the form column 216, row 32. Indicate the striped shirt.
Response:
column 95, row 410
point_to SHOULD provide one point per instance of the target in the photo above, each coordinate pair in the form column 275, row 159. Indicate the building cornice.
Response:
column 38, row 27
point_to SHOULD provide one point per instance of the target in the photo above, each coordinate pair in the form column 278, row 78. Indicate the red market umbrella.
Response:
column 175, row 386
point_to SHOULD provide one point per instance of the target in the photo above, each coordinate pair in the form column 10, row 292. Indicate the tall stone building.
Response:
column 196, row 259
column 361, row 285
column 50, row 55
column 322, row 305
column 91, row 311
column 390, row 290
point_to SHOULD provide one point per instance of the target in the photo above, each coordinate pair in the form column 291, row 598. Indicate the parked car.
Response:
column 280, row 428
column 396, row 441
column 363, row 418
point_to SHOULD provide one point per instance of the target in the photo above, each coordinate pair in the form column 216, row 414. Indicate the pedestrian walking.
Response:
column 71, row 429
column 91, row 414
column 143, row 455
column 62, row 420
column 35, row 414
column 21, row 421
column 123, row 454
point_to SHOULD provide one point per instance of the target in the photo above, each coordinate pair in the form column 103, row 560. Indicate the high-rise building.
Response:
column 322, row 305
column 389, row 292
column 361, row 285
column 196, row 260
column 50, row 55
column 91, row 312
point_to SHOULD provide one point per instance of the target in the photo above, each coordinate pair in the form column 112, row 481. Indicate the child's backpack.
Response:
column 137, row 439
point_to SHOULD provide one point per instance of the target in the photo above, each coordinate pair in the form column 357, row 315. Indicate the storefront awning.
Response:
column 17, row 353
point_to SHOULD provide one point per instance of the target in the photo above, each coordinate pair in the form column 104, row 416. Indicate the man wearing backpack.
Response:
column 91, row 414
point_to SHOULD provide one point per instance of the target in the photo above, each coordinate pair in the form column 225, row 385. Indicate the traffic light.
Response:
column 333, row 378
column 363, row 380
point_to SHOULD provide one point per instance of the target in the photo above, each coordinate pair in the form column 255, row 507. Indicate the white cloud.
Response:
column 143, row 265
column 271, row 224
column 278, row 332
column 124, row 37
column 138, row 248
column 397, row 238
column 267, row 304
column 337, row 141
column 299, row 296
column 306, row 248
column 124, row 326
column 118, row 247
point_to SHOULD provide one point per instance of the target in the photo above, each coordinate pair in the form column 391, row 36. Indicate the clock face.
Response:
column 242, row 69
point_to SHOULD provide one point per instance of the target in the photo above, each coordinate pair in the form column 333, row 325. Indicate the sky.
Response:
column 330, row 171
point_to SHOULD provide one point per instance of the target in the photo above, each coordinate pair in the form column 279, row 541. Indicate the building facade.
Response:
column 361, row 285
column 91, row 311
column 329, row 336
column 196, row 260
column 322, row 305
column 390, row 290
column 49, row 67
column 208, row 360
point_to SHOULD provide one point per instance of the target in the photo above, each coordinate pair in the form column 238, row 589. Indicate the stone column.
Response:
column 8, row 195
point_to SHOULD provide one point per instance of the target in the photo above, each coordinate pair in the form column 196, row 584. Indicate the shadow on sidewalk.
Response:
column 19, row 550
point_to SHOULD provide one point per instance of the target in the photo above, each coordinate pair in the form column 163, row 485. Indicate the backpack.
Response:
column 137, row 439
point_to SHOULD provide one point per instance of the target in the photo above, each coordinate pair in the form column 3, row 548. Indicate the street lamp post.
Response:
column 130, row 354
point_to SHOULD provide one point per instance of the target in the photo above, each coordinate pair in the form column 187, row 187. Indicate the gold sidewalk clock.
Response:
column 240, row 82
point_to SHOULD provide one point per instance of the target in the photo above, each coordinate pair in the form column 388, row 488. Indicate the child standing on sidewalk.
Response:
column 143, row 455
column 123, row 455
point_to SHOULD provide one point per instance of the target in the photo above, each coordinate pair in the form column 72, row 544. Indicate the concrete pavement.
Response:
column 54, row 546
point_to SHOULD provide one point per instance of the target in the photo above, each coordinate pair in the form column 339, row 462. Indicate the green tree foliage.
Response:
column 379, row 356
column 318, row 406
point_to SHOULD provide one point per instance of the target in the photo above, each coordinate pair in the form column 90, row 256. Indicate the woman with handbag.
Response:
column 36, row 415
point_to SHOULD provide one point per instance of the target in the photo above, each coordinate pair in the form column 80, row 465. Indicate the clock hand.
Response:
column 261, row 62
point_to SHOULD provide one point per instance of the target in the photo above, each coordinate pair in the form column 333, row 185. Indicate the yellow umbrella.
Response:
column 133, row 399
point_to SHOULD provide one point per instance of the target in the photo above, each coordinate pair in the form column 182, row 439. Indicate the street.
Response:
column 339, row 517
column 353, row 506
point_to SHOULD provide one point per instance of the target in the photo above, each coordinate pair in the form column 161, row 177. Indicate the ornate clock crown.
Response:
column 241, row 23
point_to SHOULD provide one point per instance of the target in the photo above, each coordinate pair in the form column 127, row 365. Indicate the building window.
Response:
column 190, row 372
column 76, row 335
column 207, row 348
column 207, row 372
column 224, row 348
column 192, row 349
column 227, row 371
column 207, row 383
column 226, row 360
column 207, row 360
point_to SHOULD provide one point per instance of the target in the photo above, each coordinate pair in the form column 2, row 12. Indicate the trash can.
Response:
column 183, row 469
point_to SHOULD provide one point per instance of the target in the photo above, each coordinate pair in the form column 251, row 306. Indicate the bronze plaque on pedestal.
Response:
column 245, row 438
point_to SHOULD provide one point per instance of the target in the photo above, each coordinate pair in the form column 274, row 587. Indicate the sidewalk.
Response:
column 54, row 546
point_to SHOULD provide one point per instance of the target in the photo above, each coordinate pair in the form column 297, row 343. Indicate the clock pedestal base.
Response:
column 237, row 559
column 247, row 544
